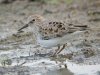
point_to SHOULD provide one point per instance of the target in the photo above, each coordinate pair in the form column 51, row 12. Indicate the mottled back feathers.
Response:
column 56, row 29
column 52, row 29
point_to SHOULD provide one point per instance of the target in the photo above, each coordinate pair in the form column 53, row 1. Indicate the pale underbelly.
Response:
column 58, row 41
column 49, row 43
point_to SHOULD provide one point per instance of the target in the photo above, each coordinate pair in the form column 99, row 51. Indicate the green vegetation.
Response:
column 42, row 1
column 54, row 1
column 68, row 1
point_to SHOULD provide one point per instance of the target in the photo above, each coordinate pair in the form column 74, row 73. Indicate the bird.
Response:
column 52, row 33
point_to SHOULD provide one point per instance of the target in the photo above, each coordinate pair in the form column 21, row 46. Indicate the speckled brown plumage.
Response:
column 56, row 29
column 52, row 30
column 52, row 33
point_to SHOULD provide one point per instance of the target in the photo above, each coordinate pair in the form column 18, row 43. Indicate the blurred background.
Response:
column 15, row 50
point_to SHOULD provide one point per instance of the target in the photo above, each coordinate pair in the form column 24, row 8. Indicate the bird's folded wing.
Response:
column 59, row 29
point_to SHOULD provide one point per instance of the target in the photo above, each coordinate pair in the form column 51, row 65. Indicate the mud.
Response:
column 28, row 58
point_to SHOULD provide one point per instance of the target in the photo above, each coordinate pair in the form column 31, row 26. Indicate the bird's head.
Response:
column 33, row 20
column 36, row 18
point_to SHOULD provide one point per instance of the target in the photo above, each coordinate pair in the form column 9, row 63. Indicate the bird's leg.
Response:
column 61, row 48
column 56, row 50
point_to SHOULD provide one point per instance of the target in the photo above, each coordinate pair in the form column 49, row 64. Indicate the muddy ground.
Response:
column 20, row 55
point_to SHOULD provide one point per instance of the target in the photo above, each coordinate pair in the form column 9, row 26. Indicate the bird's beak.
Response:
column 25, row 26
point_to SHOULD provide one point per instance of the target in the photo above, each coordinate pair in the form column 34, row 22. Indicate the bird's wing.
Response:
column 74, row 28
column 58, row 29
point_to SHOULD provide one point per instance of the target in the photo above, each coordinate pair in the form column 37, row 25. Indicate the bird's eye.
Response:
column 33, row 20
